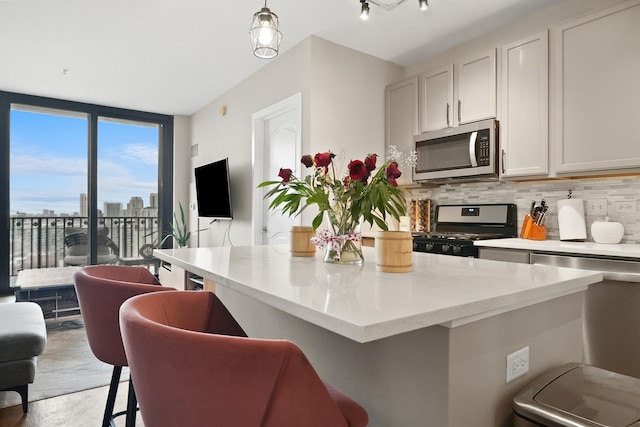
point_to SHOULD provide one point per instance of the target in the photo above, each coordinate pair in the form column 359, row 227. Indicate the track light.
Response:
column 364, row 12
column 424, row 4
column 265, row 33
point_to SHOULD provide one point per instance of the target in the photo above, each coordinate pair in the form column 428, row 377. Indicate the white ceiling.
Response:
column 175, row 56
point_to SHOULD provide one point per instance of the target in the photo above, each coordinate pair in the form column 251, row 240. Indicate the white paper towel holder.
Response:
column 571, row 223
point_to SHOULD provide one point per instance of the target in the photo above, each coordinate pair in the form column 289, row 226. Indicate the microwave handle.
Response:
column 472, row 149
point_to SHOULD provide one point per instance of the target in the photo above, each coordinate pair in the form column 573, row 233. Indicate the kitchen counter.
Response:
column 622, row 250
column 366, row 305
column 425, row 348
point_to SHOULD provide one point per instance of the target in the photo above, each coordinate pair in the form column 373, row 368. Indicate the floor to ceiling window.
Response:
column 80, row 184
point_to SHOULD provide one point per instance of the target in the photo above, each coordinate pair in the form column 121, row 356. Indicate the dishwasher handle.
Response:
column 618, row 270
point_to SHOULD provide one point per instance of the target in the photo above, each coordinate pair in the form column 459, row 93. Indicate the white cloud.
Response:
column 145, row 153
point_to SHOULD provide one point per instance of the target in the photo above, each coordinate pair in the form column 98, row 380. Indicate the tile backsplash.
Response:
column 619, row 189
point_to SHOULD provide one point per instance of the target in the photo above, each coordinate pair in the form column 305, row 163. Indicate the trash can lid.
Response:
column 582, row 395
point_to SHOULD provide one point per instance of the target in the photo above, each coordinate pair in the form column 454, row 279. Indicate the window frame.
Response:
column 94, row 113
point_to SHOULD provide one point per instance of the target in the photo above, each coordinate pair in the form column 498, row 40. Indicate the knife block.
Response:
column 531, row 230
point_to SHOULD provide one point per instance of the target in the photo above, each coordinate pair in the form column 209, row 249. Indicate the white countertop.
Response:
column 622, row 250
column 365, row 305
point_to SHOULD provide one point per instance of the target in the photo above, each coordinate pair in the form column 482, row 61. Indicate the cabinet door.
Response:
column 598, row 73
column 401, row 111
column 524, row 135
column 476, row 88
column 436, row 99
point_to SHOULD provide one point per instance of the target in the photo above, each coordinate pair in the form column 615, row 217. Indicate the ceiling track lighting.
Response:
column 364, row 11
column 424, row 5
column 265, row 33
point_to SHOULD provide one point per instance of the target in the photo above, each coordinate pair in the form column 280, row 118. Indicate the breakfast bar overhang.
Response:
column 424, row 348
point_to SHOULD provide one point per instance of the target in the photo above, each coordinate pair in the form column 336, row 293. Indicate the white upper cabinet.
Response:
column 524, row 132
column 598, row 76
column 436, row 99
column 401, row 111
column 476, row 84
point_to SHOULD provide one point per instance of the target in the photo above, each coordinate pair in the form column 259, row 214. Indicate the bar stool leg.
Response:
column 111, row 397
column 132, row 406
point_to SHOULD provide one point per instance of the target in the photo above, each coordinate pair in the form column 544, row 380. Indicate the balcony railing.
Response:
column 38, row 242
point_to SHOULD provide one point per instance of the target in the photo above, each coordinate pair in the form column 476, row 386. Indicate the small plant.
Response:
column 179, row 231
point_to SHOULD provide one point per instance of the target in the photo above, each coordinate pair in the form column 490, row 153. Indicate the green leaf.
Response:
column 317, row 220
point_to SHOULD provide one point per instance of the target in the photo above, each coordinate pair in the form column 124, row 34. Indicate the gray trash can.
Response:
column 578, row 395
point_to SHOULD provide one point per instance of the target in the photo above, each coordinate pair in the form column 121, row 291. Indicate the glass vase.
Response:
column 345, row 249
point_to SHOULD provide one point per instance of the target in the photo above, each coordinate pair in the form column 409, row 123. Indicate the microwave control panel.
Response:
column 482, row 148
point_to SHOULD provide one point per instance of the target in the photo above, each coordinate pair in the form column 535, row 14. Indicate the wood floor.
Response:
column 82, row 409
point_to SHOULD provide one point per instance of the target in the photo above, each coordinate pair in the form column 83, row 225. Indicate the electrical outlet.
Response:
column 625, row 207
column 597, row 207
column 517, row 364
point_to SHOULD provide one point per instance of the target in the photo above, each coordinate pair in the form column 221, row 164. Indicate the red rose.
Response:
column 393, row 173
column 323, row 160
column 357, row 170
column 370, row 161
column 307, row 160
column 285, row 174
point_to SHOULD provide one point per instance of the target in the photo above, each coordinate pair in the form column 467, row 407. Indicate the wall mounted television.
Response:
column 213, row 190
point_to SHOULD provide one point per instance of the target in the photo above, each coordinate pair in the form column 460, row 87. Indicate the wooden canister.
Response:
column 301, row 241
column 394, row 251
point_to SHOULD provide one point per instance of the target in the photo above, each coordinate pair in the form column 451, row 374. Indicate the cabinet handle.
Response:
column 448, row 121
column 503, row 160
column 459, row 111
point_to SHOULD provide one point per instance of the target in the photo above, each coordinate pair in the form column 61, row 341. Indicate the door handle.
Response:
column 459, row 112
column 503, row 160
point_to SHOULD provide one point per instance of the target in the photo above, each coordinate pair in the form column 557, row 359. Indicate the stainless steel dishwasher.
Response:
column 612, row 311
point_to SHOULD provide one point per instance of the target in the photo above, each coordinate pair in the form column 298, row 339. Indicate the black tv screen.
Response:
column 213, row 190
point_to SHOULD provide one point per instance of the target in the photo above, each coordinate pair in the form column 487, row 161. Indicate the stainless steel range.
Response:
column 456, row 227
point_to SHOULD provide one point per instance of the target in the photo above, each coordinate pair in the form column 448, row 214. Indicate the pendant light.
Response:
column 265, row 33
column 424, row 4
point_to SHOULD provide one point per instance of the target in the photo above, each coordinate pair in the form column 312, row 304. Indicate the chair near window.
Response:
column 76, row 242
column 194, row 366
column 101, row 290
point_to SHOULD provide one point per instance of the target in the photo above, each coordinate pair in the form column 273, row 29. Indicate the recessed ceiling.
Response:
column 174, row 57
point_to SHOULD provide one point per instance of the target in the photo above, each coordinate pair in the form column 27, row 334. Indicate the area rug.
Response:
column 66, row 366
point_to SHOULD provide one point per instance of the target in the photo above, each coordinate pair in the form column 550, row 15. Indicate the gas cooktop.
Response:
column 456, row 227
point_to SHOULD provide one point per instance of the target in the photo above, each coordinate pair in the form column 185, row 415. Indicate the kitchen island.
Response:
column 424, row 348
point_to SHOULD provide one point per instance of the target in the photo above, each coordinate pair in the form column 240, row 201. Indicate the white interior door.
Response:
column 277, row 144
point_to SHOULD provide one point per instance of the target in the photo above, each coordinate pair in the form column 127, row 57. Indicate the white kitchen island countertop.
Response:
column 366, row 305
column 621, row 250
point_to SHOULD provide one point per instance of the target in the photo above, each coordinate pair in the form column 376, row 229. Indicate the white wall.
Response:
column 347, row 103
column 181, row 161
column 342, row 108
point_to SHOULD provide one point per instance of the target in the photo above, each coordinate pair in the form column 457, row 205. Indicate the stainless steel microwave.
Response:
column 469, row 152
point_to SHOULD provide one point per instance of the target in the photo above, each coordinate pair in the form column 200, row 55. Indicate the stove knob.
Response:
column 415, row 246
column 456, row 249
column 445, row 248
column 428, row 246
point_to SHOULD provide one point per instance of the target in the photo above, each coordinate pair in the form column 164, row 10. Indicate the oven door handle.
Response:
column 472, row 149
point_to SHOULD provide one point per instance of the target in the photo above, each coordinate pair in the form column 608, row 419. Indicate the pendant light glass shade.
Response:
column 265, row 33
column 424, row 4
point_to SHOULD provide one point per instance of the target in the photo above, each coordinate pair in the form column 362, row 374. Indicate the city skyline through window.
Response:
column 49, row 164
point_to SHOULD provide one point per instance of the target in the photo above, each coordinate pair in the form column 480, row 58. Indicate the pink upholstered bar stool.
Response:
column 194, row 366
column 101, row 290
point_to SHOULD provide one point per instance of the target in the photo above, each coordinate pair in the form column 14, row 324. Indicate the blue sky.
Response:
column 49, row 162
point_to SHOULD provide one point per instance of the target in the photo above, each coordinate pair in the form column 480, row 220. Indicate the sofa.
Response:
column 23, row 337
